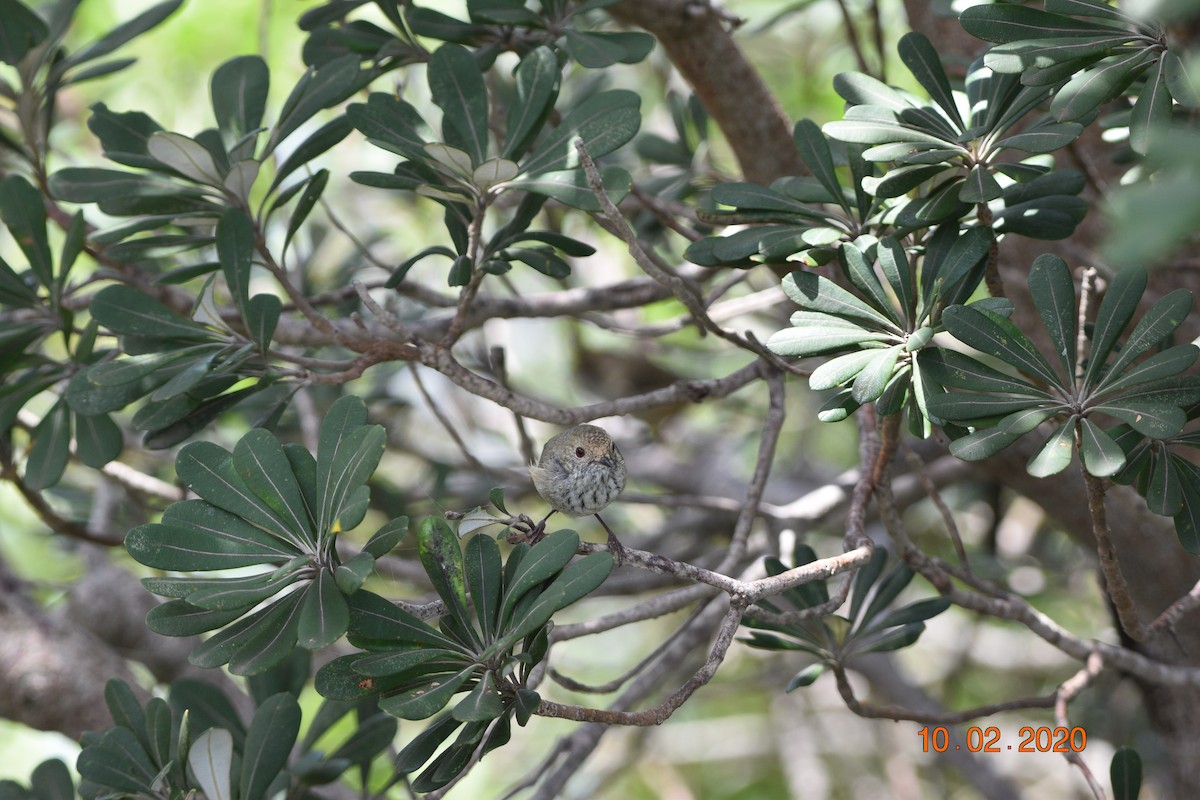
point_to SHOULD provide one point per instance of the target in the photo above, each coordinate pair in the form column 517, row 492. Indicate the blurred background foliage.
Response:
column 740, row 738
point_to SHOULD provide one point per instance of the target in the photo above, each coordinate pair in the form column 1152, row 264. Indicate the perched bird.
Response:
column 580, row 472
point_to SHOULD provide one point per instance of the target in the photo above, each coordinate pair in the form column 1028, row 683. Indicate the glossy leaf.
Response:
column 816, row 293
column 919, row 55
column 427, row 698
column 999, row 338
column 1056, row 454
column 485, row 581
column 50, row 449
column 23, row 212
column 195, row 535
column 1102, row 456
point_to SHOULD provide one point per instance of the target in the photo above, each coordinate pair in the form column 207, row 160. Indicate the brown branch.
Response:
column 695, row 39
column 1115, row 585
column 1068, row 690
column 931, row 717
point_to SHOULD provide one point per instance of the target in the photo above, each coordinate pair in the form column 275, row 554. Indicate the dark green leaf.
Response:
column 814, row 152
column 239, row 95
column 874, row 377
column 1187, row 521
column 537, row 79
column 263, row 467
column 23, row 211
column 980, row 186
column 574, row 582
column 1155, row 325
column 1125, row 772
column 98, row 440
column 319, row 88
column 457, row 88
column 197, row 536
column 816, row 293
column 998, row 337
column 484, row 579
column 441, row 557
column 320, row 141
column 22, row 31
column 374, row 619
column 1053, row 293
column 1056, row 454
column 427, row 698
column 387, row 537
column 571, row 187
column 268, row 743
column 403, row 660
column 922, row 60
column 126, row 311
column 896, row 270
column 982, row 444
column 51, row 780
column 1183, row 87
column 604, row 121
column 391, row 124
column 1102, row 456
column 1008, row 22
column 421, row 748
column 50, row 449
column 181, row 618
column 347, row 453
column 482, row 703
column 308, row 201
column 324, row 614
column 1098, row 85
column 235, row 249
column 1043, row 139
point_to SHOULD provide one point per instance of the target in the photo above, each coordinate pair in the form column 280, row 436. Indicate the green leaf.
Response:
column 50, row 449
column 23, row 30
column 874, row 377
column 1187, row 521
column 210, row 760
column 195, row 535
column 441, row 557
column 482, row 703
column 922, row 60
column 859, row 89
column 999, row 338
column 1053, row 293
column 262, row 316
column 404, row 660
column 541, row 563
column 980, row 186
column 805, row 677
column 268, row 743
column 982, row 444
column 1167, row 363
column 816, row 293
column 1155, row 325
column 235, row 249
column 239, row 95
column 121, row 34
column 485, row 579
column 575, row 581
column 1102, row 456
column 537, row 80
column 1043, row 139
column 604, row 121
column 814, row 152
column 128, row 312
column 320, row 87
column 51, row 780
column 374, row 619
column 347, row 454
column 840, row 370
column 570, row 187
column 1098, row 85
column 23, row 211
column 457, row 88
column 99, row 439
column 181, row 618
column 1151, row 111
column 117, row 761
column 307, row 202
column 862, row 275
column 387, row 537
column 423, row 746
column 868, row 132
column 428, row 697
column 1056, row 454
column 898, row 273
column 1125, row 772
column 263, row 466
column 815, row 334
column 324, row 614
column 1007, row 22
column 391, row 123
column 1180, row 81
column 210, row 471
column 186, row 156
column 325, row 137
column 228, row 594
column 543, row 260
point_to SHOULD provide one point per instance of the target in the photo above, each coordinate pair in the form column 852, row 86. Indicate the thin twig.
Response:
column 931, row 717
column 918, row 468
column 445, row 421
column 1068, row 690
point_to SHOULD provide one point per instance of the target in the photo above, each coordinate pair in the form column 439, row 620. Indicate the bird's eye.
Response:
column 579, row 452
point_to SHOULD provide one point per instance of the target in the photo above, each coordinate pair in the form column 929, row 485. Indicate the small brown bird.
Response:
column 580, row 472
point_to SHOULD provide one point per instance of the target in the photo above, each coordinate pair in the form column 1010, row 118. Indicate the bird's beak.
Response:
column 606, row 461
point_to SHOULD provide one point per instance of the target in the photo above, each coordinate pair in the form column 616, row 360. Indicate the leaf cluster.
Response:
column 494, row 632
column 873, row 625
column 272, row 505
